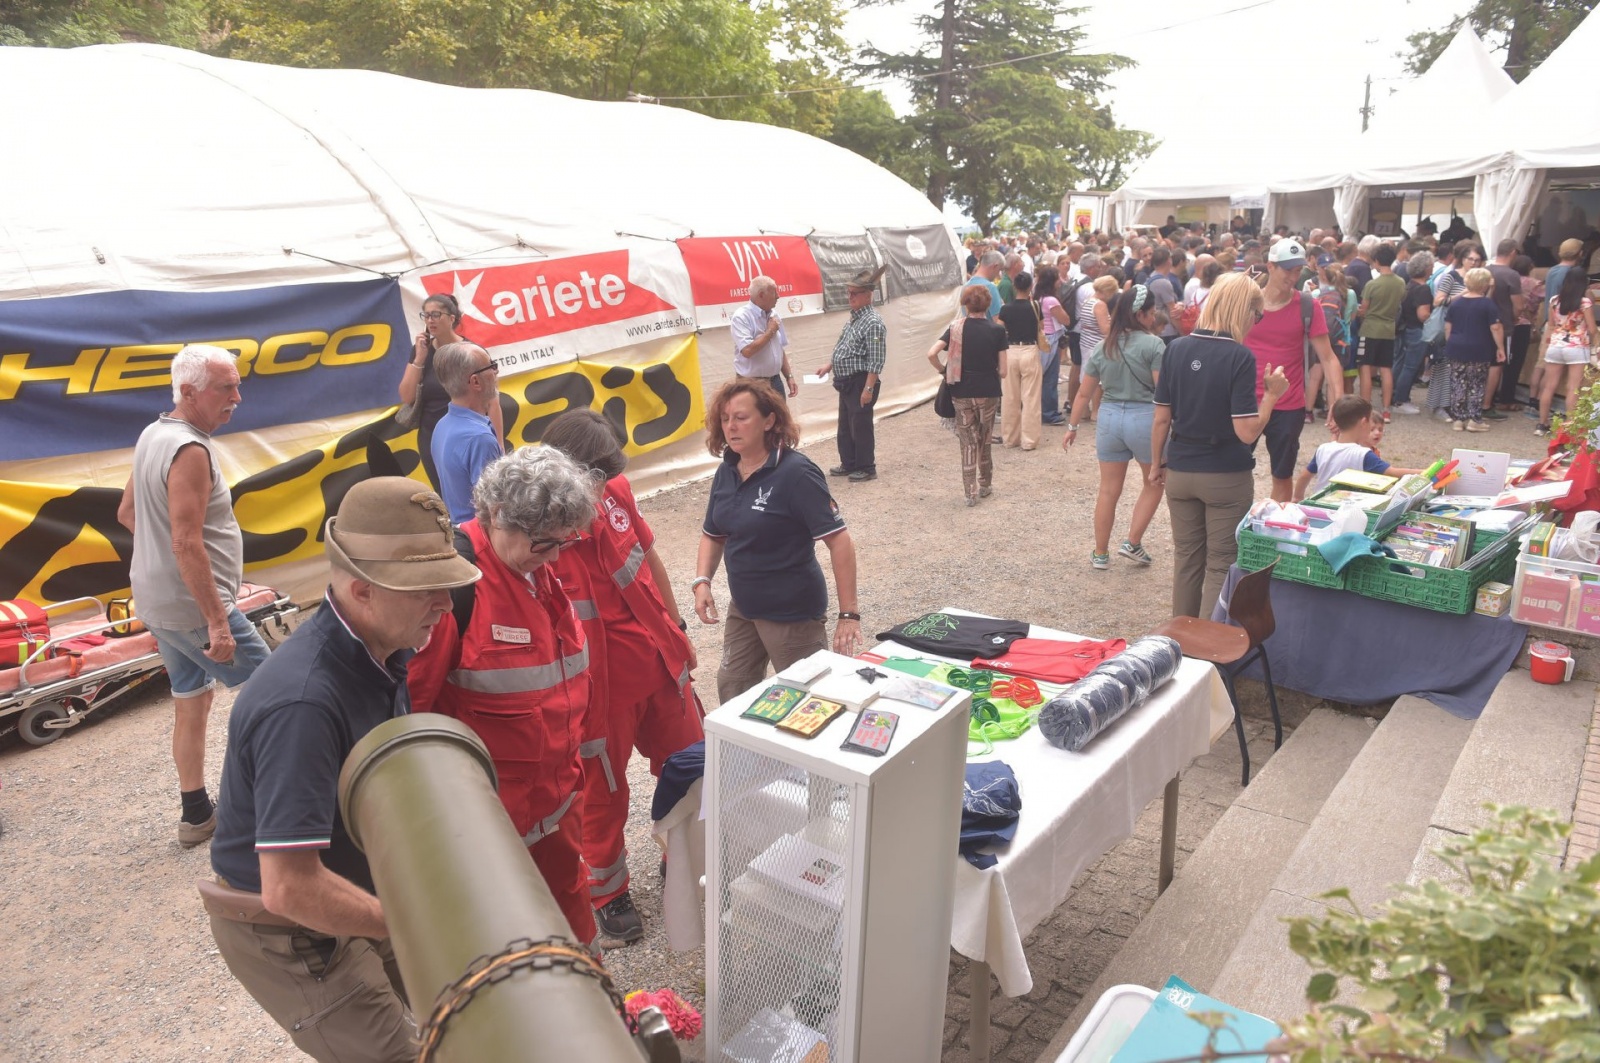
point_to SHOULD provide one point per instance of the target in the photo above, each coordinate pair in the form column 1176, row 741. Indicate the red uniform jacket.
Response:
column 623, row 613
column 519, row 677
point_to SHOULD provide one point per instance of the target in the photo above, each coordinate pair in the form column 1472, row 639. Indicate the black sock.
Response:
column 197, row 806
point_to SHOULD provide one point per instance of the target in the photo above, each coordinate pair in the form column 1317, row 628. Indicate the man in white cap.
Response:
column 1291, row 332
column 292, row 909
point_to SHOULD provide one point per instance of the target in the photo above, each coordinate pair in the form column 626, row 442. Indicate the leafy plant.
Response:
column 1504, row 961
column 1582, row 419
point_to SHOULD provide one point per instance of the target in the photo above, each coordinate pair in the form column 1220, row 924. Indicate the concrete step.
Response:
column 1195, row 924
column 1364, row 837
column 1526, row 749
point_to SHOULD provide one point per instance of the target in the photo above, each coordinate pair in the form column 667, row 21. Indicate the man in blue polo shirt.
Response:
column 464, row 441
column 292, row 908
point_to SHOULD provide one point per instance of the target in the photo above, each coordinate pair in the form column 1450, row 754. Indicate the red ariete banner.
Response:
column 722, row 267
column 549, row 310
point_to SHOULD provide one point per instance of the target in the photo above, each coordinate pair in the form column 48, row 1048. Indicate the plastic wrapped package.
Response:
column 1072, row 718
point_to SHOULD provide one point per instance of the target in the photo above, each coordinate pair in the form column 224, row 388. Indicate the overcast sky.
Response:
column 1212, row 70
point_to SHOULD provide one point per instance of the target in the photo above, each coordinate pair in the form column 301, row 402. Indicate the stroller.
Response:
column 65, row 679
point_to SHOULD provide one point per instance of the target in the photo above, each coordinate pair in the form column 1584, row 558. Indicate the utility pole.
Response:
column 1366, row 105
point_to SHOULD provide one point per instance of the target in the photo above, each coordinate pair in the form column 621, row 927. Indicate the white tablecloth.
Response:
column 1075, row 806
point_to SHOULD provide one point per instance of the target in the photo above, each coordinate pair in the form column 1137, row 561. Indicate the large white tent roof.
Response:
column 1432, row 128
column 1550, row 120
column 154, row 167
column 1430, row 116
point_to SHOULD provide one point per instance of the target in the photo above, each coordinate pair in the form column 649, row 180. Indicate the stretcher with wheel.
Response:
column 85, row 665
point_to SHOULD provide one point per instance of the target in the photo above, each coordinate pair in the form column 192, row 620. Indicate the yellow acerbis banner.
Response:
column 59, row 541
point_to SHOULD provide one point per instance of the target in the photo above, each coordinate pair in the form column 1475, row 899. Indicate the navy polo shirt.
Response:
column 769, row 524
column 294, row 722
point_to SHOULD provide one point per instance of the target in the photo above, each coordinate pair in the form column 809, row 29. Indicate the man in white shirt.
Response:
column 760, row 345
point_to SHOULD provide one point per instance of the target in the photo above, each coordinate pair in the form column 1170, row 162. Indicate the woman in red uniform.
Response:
column 514, row 664
column 639, row 661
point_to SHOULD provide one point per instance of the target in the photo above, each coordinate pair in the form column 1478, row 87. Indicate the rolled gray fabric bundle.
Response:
column 1072, row 718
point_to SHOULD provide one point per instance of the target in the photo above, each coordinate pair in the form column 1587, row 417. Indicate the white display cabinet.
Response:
column 830, row 878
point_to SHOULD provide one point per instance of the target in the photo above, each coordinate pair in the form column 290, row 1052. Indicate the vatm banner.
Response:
column 59, row 542
column 84, row 373
column 722, row 267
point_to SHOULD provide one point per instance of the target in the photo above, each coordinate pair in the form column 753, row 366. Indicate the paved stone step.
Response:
column 1193, row 928
column 1365, row 837
column 1526, row 749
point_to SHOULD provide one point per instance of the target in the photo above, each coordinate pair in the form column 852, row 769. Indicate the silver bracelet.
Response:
column 697, row 581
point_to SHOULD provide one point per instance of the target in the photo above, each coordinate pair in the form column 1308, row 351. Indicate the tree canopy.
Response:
column 1528, row 30
column 1011, row 111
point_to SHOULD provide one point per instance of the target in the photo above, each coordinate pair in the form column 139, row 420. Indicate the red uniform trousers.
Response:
column 657, row 725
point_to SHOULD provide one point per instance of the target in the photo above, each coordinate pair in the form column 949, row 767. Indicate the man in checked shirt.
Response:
column 857, row 364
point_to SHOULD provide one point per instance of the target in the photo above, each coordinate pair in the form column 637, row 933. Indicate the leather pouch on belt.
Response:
column 225, row 902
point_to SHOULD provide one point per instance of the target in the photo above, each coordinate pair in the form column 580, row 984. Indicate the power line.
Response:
column 634, row 97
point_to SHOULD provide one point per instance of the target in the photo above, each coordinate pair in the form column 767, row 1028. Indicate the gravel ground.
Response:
column 107, row 955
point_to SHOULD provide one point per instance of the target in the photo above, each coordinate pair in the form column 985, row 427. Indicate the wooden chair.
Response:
column 1232, row 648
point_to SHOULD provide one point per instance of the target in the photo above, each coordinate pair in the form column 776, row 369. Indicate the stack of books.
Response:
column 1429, row 539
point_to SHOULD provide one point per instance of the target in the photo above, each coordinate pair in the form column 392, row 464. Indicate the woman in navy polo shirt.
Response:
column 769, row 505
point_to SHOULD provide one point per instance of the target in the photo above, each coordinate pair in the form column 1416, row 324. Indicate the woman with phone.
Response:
column 419, row 385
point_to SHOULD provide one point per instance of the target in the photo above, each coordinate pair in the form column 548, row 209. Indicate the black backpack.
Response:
column 1068, row 300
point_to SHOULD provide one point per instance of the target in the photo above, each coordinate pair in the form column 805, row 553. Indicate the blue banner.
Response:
column 83, row 373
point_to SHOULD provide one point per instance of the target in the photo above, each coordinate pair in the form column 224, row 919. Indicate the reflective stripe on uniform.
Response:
column 551, row 823
column 630, row 568
column 584, row 609
column 596, row 747
column 683, row 677
column 603, row 880
column 527, row 679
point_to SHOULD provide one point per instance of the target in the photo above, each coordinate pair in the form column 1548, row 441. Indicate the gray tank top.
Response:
column 160, row 597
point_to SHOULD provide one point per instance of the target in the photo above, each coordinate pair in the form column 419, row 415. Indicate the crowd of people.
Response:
column 1187, row 346
column 524, row 594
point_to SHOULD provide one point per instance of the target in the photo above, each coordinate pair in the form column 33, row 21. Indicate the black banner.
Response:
column 920, row 259
column 840, row 258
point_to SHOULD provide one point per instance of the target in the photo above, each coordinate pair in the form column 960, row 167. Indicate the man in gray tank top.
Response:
column 188, row 562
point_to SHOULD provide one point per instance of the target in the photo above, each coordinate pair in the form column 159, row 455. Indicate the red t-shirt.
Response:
column 1279, row 339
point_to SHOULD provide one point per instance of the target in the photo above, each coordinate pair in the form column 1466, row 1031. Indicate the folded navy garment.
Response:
column 678, row 773
column 990, row 805
column 1339, row 551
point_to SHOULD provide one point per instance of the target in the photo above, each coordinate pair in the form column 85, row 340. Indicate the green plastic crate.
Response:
column 1299, row 562
column 1444, row 590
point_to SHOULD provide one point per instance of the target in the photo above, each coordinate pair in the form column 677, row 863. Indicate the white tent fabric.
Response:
column 1433, row 129
column 1551, row 121
column 1428, row 119
column 183, row 170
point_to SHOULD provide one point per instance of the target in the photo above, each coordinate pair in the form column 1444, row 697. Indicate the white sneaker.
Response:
column 1406, row 407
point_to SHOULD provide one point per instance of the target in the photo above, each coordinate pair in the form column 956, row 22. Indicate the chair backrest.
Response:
column 1251, row 605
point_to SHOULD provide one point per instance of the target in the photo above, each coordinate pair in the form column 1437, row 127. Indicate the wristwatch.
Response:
column 1072, row 428
column 849, row 616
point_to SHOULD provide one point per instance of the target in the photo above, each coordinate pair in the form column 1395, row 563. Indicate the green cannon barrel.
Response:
column 418, row 797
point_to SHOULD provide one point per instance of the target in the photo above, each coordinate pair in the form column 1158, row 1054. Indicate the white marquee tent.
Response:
column 145, row 172
column 1325, row 180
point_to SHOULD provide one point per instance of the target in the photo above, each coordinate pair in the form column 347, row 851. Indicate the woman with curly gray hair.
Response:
column 513, row 664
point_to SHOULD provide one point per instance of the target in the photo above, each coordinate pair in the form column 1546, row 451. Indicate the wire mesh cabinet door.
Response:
column 829, row 888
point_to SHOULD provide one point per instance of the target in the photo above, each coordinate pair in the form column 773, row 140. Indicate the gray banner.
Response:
column 920, row 259
column 840, row 258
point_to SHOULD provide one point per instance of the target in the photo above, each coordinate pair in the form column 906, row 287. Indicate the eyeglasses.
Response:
column 541, row 545
column 492, row 367
column 432, row 315
column 1258, row 314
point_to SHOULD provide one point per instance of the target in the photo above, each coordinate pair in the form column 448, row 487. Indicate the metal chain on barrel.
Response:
column 519, row 955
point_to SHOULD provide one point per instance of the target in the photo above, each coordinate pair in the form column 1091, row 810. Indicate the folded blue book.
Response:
column 1168, row 1030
